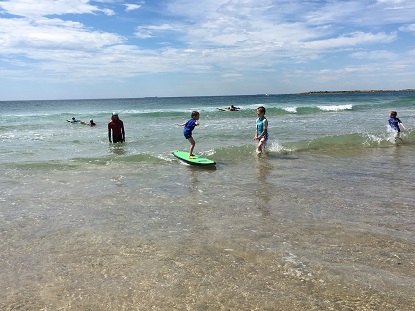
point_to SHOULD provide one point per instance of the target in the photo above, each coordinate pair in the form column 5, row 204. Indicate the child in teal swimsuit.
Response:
column 261, row 132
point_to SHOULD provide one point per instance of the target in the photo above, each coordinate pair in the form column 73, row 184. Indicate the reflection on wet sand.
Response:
column 264, row 189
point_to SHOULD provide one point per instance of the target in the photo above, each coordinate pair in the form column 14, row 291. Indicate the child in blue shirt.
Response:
column 187, row 131
column 394, row 123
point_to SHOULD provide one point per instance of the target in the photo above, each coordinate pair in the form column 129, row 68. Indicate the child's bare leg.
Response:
column 192, row 146
column 398, row 136
column 259, row 148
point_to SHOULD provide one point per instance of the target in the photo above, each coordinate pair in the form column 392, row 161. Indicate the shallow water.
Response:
column 330, row 226
column 279, row 233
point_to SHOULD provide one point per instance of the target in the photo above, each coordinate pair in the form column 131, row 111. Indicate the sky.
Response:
column 72, row 49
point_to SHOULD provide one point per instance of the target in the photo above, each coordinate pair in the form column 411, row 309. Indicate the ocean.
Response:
column 323, row 220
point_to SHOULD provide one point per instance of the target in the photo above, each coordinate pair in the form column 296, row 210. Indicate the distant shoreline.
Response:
column 258, row 94
column 356, row 91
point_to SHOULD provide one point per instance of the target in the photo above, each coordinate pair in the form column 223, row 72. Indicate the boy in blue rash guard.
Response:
column 394, row 123
column 261, row 132
column 187, row 131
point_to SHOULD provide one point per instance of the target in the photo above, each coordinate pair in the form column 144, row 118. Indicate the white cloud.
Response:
column 18, row 34
column 354, row 39
column 375, row 55
column 131, row 7
column 397, row 4
column 224, row 37
column 145, row 32
column 360, row 13
column 30, row 8
column 334, row 12
column 408, row 28
column 232, row 75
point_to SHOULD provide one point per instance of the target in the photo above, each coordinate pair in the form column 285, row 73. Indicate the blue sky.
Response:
column 61, row 49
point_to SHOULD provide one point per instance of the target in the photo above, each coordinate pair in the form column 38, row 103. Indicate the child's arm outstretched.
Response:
column 183, row 124
column 403, row 126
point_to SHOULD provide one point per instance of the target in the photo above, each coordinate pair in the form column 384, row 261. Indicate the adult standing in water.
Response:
column 117, row 128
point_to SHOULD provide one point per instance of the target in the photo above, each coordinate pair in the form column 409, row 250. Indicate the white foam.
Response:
column 276, row 147
column 336, row 107
column 290, row 109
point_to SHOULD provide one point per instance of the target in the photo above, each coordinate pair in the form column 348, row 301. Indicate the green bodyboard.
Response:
column 184, row 156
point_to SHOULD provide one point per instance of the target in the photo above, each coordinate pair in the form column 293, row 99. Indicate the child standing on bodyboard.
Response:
column 261, row 132
column 187, row 131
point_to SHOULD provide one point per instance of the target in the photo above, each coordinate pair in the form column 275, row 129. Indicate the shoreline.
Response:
column 356, row 91
column 234, row 95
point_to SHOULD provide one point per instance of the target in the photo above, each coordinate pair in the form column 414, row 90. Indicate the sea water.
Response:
column 323, row 220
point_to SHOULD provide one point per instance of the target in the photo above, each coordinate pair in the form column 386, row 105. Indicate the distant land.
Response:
column 356, row 91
